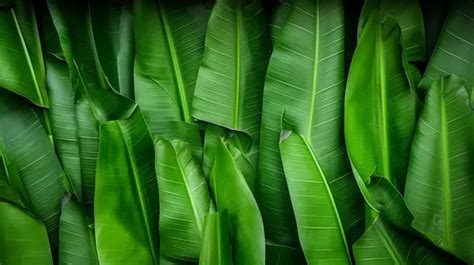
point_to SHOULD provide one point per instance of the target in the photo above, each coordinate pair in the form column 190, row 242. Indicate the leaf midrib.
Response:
column 315, row 73
column 238, row 18
column 387, row 242
column 141, row 197
column 446, row 165
column 329, row 192
column 28, row 59
column 176, row 66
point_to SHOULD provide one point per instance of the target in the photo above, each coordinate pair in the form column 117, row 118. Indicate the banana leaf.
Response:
column 229, row 85
column 230, row 191
column 126, row 194
column 278, row 19
column 434, row 17
column 410, row 19
column 184, row 200
column 441, row 172
column 454, row 51
column 305, row 80
column 22, row 68
column 318, row 220
column 380, row 107
column 24, row 239
column 216, row 246
column 28, row 149
column 169, row 45
column 73, row 22
column 76, row 237
column 112, row 24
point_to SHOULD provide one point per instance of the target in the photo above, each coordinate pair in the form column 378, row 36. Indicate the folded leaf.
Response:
column 278, row 18
column 24, row 240
column 169, row 45
column 320, row 230
column 230, row 81
column 380, row 108
column 22, row 68
column 184, row 200
column 216, row 247
column 383, row 244
column 410, row 19
column 232, row 193
column 454, row 51
column 126, row 194
column 305, row 81
column 27, row 146
column 76, row 237
column 441, row 172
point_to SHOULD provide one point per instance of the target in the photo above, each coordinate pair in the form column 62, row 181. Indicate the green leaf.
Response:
column 216, row 246
column 410, row 19
column 380, row 107
column 27, row 147
column 73, row 23
column 441, row 172
column 278, row 18
column 24, row 240
column 383, row 244
column 184, row 200
column 305, row 81
column 232, row 193
column 126, row 194
column 283, row 255
column 112, row 25
column 318, row 220
column 169, row 45
column 454, row 51
column 229, row 86
column 22, row 68
column 76, row 237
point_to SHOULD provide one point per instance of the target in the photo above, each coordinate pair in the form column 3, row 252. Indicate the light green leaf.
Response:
column 229, row 86
column 126, row 194
column 441, row 173
column 76, row 237
column 22, row 68
column 232, row 193
column 454, row 51
column 380, row 107
column 305, row 81
column 318, row 220
column 27, row 147
column 23, row 239
column 184, row 200
column 169, row 45
column 216, row 247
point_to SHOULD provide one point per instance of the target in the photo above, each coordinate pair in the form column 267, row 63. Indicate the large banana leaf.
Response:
column 410, row 19
column 384, row 244
column 278, row 18
column 230, row 81
column 440, row 178
column 73, row 22
column 454, row 51
column 184, row 200
column 305, row 80
column 112, row 25
column 169, row 45
column 318, row 220
column 126, row 194
column 27, row 146
column 232, row 193
column 380, row 107
column 76, row 237
column 22, row 68
column 216, row 247
column 23, row 239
